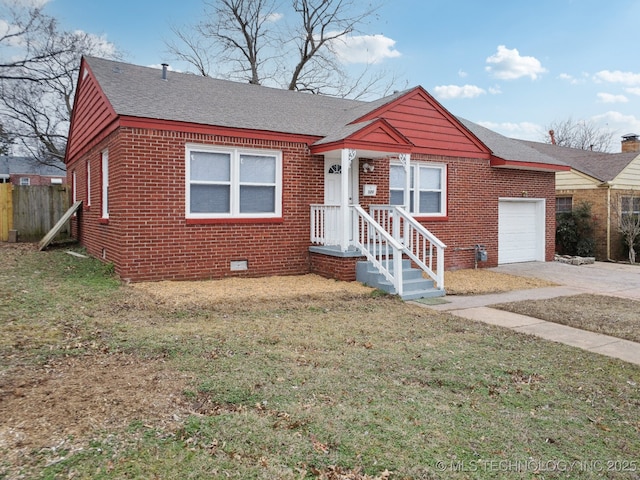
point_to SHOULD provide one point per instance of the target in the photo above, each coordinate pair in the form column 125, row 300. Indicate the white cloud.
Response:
column 633, row 90
column 364, row 48
column 626, row 78
column 495, row 90
column 446, row 92
column 611, row 98
column 462, row 73
column 99, row 46
column 26, row 3
column 619, row 122
column 571, row 79
column 274, row 17
column 7, row 29
column 522, row 130
column 508, row 64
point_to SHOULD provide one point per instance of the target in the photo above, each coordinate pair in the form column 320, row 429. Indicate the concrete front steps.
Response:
column 414, row 285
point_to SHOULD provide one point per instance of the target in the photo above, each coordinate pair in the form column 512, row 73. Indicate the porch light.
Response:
column 367, row 167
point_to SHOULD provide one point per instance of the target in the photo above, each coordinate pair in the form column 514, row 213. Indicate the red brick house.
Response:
column 187, row 177
column 27, row 171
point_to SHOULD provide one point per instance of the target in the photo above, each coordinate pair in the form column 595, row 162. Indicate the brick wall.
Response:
column 36, row 180
column 148, row 238
column 334, row 267
column 598, row 199
column 473, row 189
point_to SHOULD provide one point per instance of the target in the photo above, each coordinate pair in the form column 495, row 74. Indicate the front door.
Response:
column 333, row 193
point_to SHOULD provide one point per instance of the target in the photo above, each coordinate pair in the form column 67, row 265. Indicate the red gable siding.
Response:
column 92, row 114
column 378, row 135
column 429, row 126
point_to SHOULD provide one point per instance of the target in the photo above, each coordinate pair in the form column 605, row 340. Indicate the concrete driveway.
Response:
column 614, row 279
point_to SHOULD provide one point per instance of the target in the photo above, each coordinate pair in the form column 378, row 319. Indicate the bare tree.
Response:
column 626, row 210
column 36, row 92
column 5, row 141
column 26, row 42
column 248, row 40
column 583, row 134
column 321, row 23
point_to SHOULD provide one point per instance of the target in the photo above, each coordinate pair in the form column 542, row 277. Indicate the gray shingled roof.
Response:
column 28, row 166
column 141, row 92
column 509, row 148
column 601, row 166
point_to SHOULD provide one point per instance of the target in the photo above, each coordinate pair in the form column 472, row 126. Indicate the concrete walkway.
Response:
column 601, row 278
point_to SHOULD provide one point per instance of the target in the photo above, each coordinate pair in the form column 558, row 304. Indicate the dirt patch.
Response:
column 244, row 290
column 617, row 317
column 483, row 281
column 59, row 405
column 279, row 289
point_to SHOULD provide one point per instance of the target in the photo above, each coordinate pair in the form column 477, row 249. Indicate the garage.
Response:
column 521, row 224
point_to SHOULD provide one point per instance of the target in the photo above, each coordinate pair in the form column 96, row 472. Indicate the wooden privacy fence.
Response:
column 32, row 210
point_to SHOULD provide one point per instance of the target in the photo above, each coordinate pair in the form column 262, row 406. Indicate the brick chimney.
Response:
column 630, row 143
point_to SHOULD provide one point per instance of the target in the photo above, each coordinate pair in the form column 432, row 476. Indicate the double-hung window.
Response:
column 630, row 205
column 564, row 205
column 233, row 183
column 427, row 188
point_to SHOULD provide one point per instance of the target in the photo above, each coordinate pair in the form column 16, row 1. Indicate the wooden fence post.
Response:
column 6, row 210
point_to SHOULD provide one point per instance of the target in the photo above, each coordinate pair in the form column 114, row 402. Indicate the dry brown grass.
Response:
column 617, row 317
column 483, row 281
column 241, row 290
column 336, row 385
column 283, row 289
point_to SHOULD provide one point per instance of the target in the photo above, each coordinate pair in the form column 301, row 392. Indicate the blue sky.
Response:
column 514, row 66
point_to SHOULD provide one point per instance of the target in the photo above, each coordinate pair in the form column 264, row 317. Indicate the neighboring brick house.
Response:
column 603, row 180
column 27, row 171
column 187, row 177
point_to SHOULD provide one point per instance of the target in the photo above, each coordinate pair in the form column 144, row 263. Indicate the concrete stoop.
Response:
column 414, row 285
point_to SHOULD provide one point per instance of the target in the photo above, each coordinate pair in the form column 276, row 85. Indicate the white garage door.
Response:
column 521, row 226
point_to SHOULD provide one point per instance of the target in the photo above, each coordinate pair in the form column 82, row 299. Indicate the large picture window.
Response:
column 427, row 188
column 232, row 183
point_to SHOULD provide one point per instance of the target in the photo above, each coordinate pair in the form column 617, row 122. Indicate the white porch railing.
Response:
column 379, row 247
column 420, row 245
column 325, row 224
column 382, row 237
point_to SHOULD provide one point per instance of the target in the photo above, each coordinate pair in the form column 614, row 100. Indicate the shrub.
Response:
column 575, row 231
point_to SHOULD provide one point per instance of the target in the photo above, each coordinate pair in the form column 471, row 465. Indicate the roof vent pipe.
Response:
column 164, row 70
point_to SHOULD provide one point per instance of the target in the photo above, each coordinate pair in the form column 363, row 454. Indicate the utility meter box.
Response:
column 481, row 253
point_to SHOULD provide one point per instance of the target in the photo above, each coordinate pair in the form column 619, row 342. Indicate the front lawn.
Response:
column 102, row 380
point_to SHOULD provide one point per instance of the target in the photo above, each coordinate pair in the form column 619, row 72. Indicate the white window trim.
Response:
column 416, row 192
column 235, row 182
column 25, row 181
column 74, row 187
column 88, row 183
column 104, row 164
